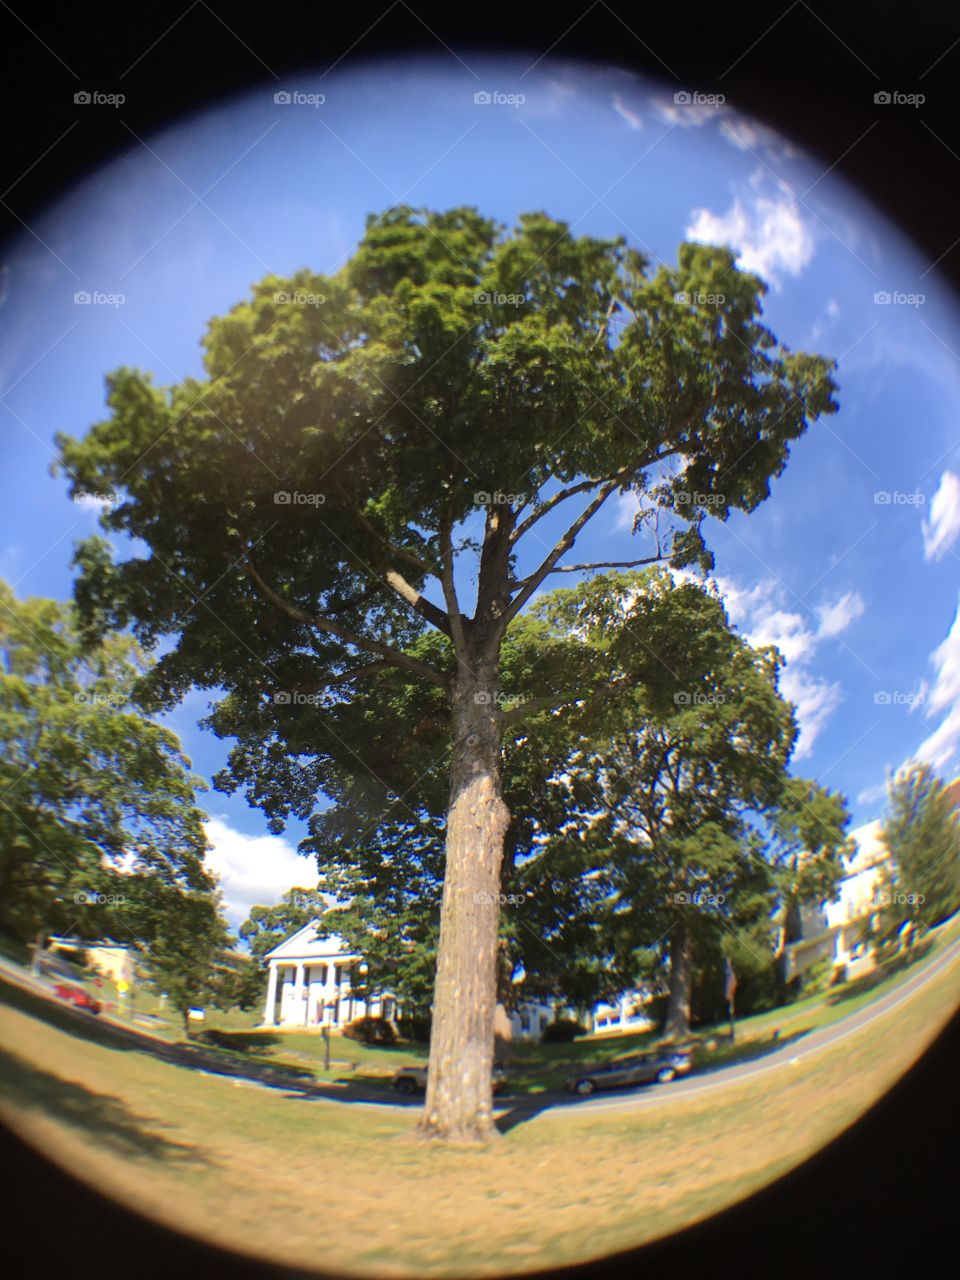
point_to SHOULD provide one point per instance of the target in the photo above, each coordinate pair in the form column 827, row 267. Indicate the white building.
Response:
column 310, row 983
column 528, row 1020
column 629, row 1013
column 839, row 929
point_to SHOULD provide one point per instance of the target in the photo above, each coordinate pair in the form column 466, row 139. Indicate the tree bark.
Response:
column 681, row 979
column 459, row 1101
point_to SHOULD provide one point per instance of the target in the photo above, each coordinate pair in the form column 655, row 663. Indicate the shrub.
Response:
column 371, row 1031
column 818, row 977
column 562, row 1031
column 415, row 1027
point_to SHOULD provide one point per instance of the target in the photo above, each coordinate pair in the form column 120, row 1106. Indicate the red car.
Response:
column 79, row 998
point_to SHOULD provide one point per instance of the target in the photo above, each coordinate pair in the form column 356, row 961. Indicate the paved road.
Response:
column 15, row 978
column 787, row 1057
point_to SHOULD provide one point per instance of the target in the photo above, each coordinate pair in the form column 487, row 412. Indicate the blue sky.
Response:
column 851, row 567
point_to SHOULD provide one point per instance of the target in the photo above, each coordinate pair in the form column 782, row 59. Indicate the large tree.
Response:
column 672, row 798
column 418, row 442
column 100, row 831
column 922, row 832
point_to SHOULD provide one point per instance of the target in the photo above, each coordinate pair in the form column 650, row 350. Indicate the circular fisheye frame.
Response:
column 497, row 668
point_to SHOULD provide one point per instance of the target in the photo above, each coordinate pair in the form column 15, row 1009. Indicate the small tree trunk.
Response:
column 459, row 1101
column 502, row 1036
column 681, row 979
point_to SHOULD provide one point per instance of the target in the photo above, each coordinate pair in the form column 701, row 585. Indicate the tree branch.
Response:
column 417, row 601
column 582, row 486
column 395, row 657
column 344, row 677
column 607, row 564
column 403, row 552
column 602, row 331
column 531, row 583
column 548, row 701
column 561, row 496
column 457, row 631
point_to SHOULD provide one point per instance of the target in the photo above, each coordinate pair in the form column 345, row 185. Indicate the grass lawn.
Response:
column 312, row 1182
column 535, row 1068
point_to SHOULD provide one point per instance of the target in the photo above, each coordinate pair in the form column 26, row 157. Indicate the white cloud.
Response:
column 748, row 135
column 944, row 527
column 254, row 869
column 870, row 795
column 815, row 699
column 788, row 631
column 760, row 613
column 622, row 110
column 940, row 747
column 628, row 504
column 688, row 115
column 766, row 232
column 825, row 323
column 836, row 617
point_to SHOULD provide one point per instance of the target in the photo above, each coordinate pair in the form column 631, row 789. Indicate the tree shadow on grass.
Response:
column 881, row 973
column 238, row 1041
column 75, row 1022
column 107, row 1035
column 106, row 1120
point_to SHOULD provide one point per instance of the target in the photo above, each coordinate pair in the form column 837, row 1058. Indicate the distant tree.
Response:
column 387, row 880
column 239, row 982
column 922, row 832
column 667, row 802
column 267, row 926
column 183, row 959
column 100, row 832
column 805, row 838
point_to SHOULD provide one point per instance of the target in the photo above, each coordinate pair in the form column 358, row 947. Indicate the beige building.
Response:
column 111, row 960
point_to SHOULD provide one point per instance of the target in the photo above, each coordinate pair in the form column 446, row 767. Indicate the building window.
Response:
column 524, row 1021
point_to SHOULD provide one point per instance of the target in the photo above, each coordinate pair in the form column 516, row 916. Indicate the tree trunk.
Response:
column 681, row 979
column 459, row 1101
column 502, row 1036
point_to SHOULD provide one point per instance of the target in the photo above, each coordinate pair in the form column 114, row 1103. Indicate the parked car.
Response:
column 76, row 996
column 410, row 1080
column 640, row 1068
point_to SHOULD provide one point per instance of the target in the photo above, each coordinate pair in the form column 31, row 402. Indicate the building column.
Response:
column 332, row 993
column 298, row 991
column 270, row 1013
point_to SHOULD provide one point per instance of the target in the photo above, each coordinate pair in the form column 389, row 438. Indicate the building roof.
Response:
column 312, row 942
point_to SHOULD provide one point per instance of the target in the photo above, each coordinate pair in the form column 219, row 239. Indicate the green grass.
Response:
column 306, row 1182
column 534, row 1068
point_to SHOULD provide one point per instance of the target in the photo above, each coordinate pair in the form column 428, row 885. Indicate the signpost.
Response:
column 730, row 992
